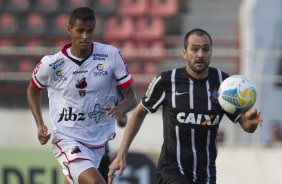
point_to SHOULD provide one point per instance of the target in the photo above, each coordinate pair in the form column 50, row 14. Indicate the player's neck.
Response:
column 196, row 75
column 80, row 53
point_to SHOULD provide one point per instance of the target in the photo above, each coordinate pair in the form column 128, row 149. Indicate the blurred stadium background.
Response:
column 247, row 40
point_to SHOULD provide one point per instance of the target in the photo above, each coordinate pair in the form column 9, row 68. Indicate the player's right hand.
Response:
column 43, row 135
column 119, row 163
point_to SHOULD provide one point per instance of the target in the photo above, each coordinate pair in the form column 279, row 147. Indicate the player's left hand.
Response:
column 254, row 116
column 43, row 135
column 250, row 120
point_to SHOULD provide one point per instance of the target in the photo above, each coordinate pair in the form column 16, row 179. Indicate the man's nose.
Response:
column 84, row 34
column 201, row 53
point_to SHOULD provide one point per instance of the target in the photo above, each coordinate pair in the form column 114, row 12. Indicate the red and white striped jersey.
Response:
column 79, row 92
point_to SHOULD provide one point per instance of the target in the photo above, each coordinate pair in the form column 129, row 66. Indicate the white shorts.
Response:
column 79, row 155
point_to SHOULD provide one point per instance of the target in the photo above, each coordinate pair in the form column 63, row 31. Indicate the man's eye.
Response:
column 194, row 49
column 206, row 49
column 90, row 31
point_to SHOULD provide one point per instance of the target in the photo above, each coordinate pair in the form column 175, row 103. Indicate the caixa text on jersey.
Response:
column 198, row 119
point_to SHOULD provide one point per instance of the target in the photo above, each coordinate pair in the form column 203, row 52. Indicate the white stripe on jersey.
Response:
column 159, row 101
column 178, row 150
column 152, row 87
column 194, row 154
column 173, row 87
column 191, row 95
column 208, row 94
column 219, row 75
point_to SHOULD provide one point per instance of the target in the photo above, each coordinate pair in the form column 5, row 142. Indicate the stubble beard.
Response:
column 198, row 70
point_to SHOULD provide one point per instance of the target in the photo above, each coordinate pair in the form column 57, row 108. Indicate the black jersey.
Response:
column 191, row 116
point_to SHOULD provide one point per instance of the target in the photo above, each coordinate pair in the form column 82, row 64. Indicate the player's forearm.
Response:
column 132, row 129
column 129, row 101
column 34, row 100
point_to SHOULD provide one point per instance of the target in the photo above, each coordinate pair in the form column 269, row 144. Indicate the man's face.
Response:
column 198, row 54
column 81, row 33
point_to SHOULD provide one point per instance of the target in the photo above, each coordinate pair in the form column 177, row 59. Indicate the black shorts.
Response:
column 177, row 178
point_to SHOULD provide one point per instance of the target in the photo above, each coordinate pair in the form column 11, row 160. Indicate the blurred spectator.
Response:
column 9, row 23
column 276, row 134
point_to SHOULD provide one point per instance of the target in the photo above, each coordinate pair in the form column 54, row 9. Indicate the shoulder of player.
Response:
column 168, row 73
column 215, row 71
column 53, row 61
column 105, row 48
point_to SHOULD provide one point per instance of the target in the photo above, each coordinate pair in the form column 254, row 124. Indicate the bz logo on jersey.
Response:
column 68, row 115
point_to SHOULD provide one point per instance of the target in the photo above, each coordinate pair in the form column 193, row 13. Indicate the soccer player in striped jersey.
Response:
column 81, row 81
column 191, row 117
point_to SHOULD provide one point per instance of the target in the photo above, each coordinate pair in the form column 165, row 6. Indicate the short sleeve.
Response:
column 123, row 77
column 40, row 74
column 155, row 95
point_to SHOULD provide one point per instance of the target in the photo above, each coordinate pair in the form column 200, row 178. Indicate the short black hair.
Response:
column 82, row 13
column 197, row 31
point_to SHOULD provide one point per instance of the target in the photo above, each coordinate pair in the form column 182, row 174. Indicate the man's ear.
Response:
column 184, row 51
column 68, row 29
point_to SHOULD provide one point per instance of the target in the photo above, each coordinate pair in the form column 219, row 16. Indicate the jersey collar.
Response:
column 64, row 51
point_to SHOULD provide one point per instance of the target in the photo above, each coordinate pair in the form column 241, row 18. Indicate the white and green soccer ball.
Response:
column 237, row 94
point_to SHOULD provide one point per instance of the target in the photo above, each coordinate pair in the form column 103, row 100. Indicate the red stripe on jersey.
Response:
column 126, row 84
column 34, row 84
column 64, row 49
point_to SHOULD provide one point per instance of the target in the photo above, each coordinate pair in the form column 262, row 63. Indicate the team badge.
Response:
column 82, row 93
column 81, row 84
column 214, row 95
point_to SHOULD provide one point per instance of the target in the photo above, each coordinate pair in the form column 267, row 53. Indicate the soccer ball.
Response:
column 237, row 94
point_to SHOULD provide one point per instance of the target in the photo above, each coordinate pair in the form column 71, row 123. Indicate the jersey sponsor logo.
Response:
column 60, row 76
column 181, row 93
column 100, row 57
column 69, row 115
column 80, row 71
column 197, row 119
column 100, row 67
column 96, row 113
column 57, row 63
column 101, row 71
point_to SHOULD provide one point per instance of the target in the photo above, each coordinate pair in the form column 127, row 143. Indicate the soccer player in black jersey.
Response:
column 191, row 117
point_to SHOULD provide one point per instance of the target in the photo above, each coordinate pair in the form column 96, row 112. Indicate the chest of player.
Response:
column 90, row 76
column 195, row 104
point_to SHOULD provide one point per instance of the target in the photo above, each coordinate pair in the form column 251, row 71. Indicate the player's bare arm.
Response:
column 34, row 99
column 132, row 127
column 250, row 120
column 128, row 103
